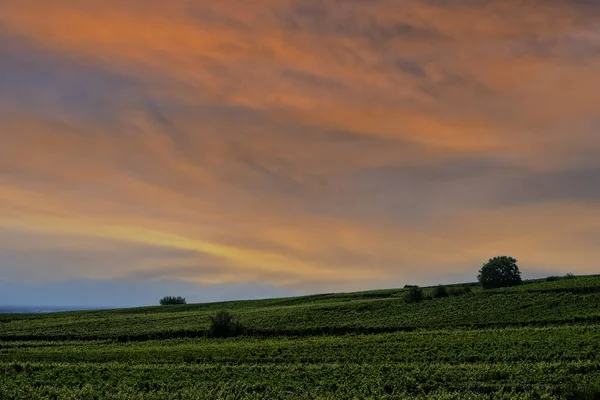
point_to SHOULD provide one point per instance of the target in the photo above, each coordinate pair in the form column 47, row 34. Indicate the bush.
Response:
column 223, row 325
column 501, row 271
column 170, row 300
column 414, row 295
column 440, row 291
column 552, row 278
column 569, row 276
column 459, row 291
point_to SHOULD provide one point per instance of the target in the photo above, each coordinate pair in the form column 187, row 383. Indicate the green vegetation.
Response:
column 440, row 291
column 223, row 325
column 536, row 340
column 171, row 300
column 414, row 295
column 501, row 271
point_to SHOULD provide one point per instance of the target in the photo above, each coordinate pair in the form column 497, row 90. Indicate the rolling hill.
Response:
column 537, row 340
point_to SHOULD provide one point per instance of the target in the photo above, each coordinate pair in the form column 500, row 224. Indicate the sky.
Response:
column 267, row 148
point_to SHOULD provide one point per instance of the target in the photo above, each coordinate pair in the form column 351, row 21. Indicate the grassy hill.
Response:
column 537, row 340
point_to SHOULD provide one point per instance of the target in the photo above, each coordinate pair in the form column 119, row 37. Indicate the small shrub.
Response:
column 409, row 286
column 223, row 325
column 414, row 295
column 440, row 291
column 459, row 291
column 552, row 278
column 171, row 300
column 569, row 276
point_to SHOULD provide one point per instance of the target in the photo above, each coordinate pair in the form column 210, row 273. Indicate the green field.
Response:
column 537, row 340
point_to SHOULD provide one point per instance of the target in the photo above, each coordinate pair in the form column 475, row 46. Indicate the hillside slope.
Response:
column 538, row 339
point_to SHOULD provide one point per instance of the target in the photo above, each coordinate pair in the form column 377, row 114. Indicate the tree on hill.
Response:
column 440, row 291
column 170, row 300
column 414, row 295
column 501, row 271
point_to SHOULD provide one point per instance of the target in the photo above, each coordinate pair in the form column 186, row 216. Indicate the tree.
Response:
column 170, row 300
column 223, row 324
column 440, row 291
column 501, row 271
column 414, row 295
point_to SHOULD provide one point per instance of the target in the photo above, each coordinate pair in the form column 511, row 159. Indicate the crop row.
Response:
column 565, row 344
column 297, row 381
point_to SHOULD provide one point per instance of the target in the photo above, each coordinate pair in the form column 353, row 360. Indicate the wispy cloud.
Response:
column 330, row 144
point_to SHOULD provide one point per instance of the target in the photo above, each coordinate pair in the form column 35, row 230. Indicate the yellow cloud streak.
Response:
column 35, row 216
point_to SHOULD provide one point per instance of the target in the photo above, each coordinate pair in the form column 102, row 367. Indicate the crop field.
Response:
column 540, row 340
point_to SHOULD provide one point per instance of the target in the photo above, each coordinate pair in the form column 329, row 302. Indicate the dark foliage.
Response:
column 552, row 278
column 223, row 325
column 501, row 271
column 171, row 300
column 459, row 291
column 440, row 291
column 414, row 295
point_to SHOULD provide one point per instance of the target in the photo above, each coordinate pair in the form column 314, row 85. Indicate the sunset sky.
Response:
column 279, row 147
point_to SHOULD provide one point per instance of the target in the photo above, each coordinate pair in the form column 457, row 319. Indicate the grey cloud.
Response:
column 37, row 80
column 576, row 184
column 581, row 5
column 463, row 94
column 303, row 173
column 466, row 3
column 21, row 264
column 305, row 78
column 410, row 67
column 433, row 173
column 205, row 16
column 408, row 192
column 564, row 48
column 412, row 193
column 318, row 17
column 277, row 174
column 586, row 8
column 452, row 82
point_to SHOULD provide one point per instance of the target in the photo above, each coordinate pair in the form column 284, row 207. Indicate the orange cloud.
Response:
column 301, row 143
